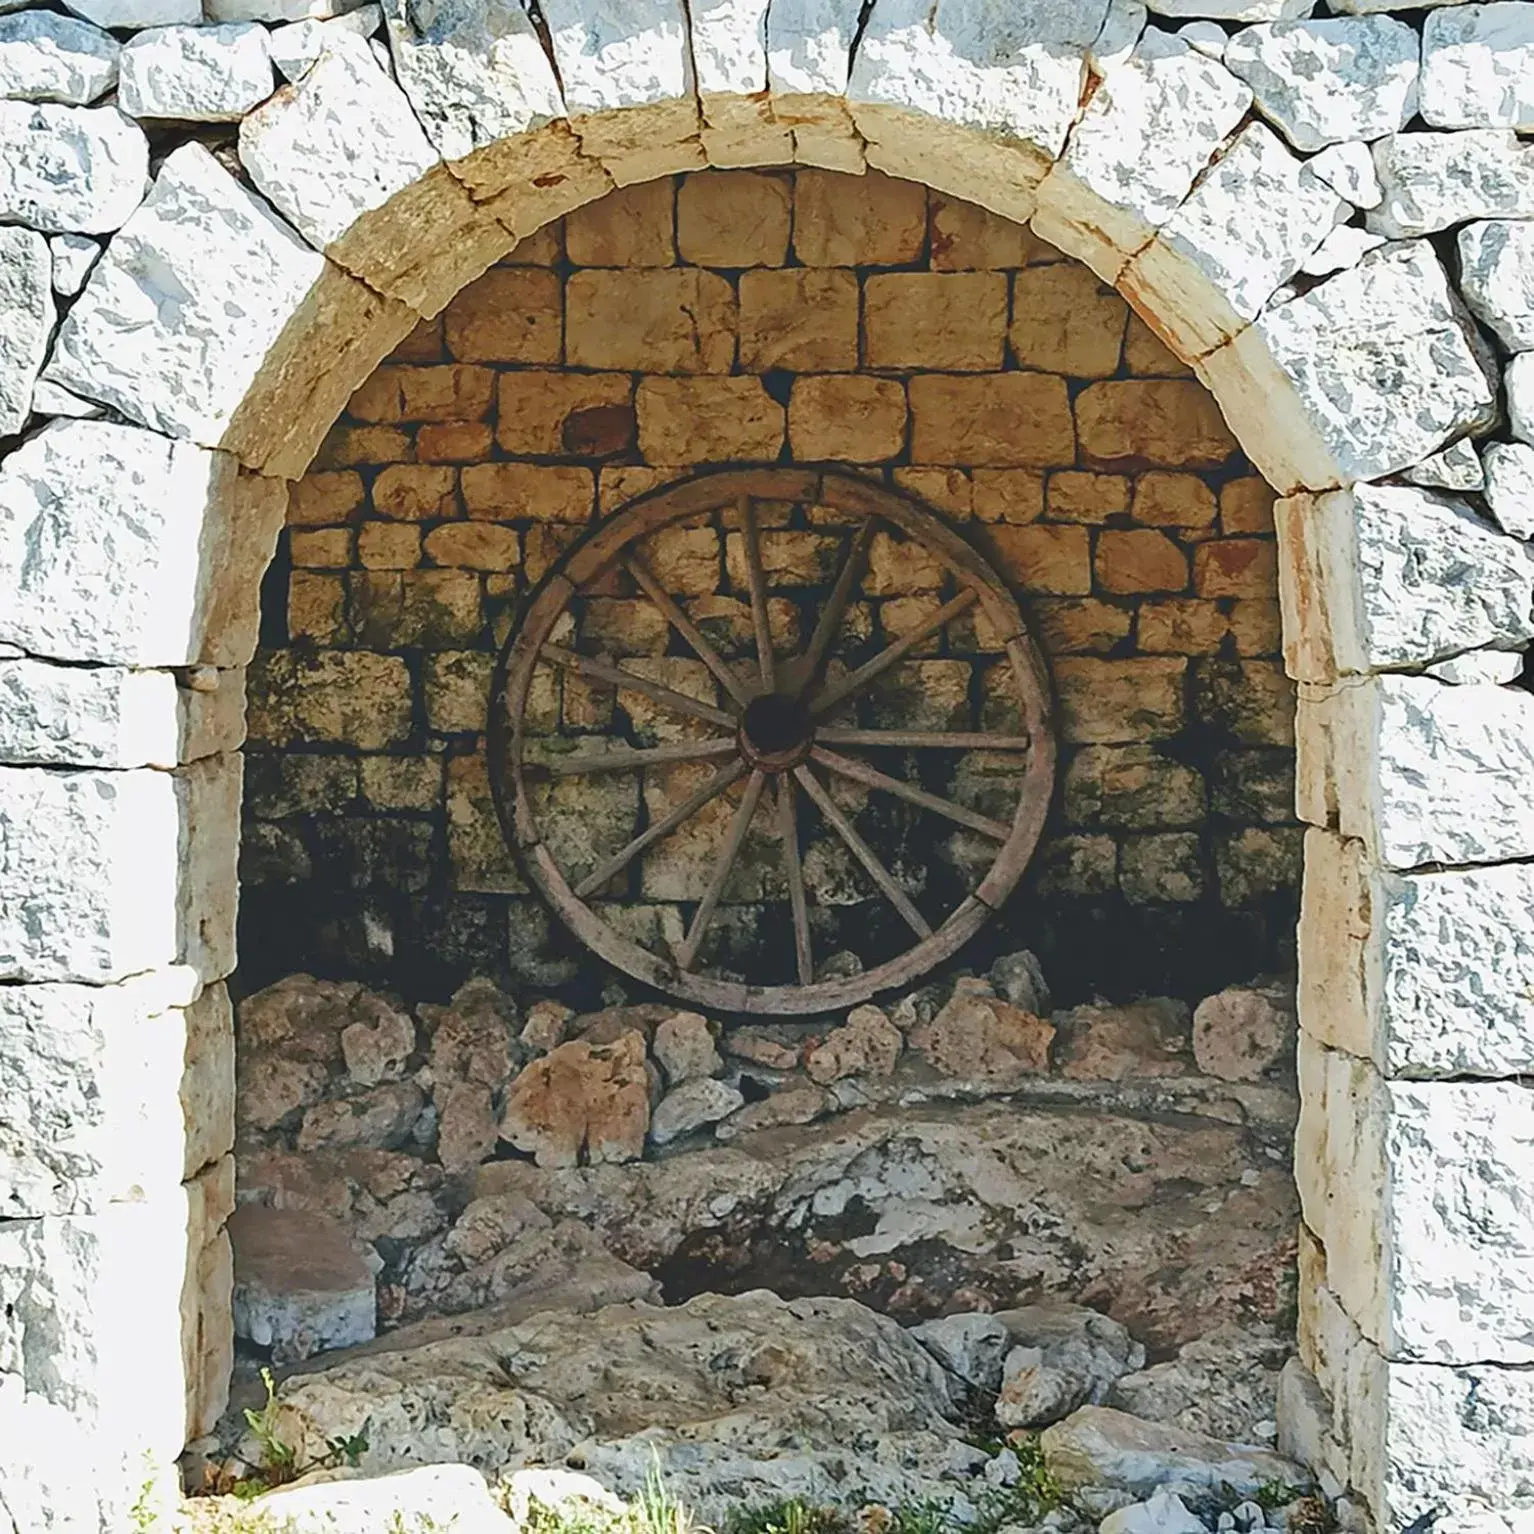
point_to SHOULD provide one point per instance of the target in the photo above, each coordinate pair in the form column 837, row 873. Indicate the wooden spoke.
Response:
column 689, row 807
column 758, row 584
column 621, row 760
column 871, row 777
column 616, row 676
column 788, row 826
column 830, row 696
column 865, row 854
column 688, row 953
column 688, row 630
column 835, row 609
column 923, row 740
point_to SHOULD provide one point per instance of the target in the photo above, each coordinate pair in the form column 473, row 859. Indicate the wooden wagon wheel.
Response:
column 775, row 733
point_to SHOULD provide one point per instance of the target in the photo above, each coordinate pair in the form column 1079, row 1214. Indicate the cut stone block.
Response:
column 1433, row 180
column 196, row 74
column 1497, row 278
column 300, row 1284
column 26, row 322
column 63, row 170
column 44, row 57
column 1478, row 66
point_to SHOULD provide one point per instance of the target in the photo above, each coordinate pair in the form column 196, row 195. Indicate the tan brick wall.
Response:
column 772, row 317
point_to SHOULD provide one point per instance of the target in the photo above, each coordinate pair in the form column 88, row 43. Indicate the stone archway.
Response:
column 225, row 326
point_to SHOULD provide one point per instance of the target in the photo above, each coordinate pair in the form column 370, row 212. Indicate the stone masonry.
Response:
column 1324, row 215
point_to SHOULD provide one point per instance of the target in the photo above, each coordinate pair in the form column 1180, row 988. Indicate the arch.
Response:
column 248, row 294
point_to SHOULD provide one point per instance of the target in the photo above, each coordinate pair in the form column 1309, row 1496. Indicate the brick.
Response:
column 685, row 560
column 510, row 314
column 542, row 545
column 869, row 220
column 317, row 608
column 622, row 483
column 347, row 447
column 955, row 321
column 454, row 442
column 1181, row 626
column 1165, row 867
column 1257, row 627
column 321, row 548
column 727, row 624
column 532, row 492
column 804, row 319
column 476, row 849
column 453, row 392
column 423, row 344
column 733, row 218
column 1076, row 865
column 624, row 626
column 847, row 417
column 999, row 420
column 1257, row 862
column 1078, row 496
column 901, row 615
column 633, row 226
column 1151, row 423
column 1064, row 320
column 1253, row 786
column 1246, row 505
column 550, row 413
column 1252, row 701
column 402, row 782
column 434, row 609
column 949, row 491
column 1045, row 558
column 1009, row 495
column 348, row 697
column 416, row 492
column 544, row 247
column 921, row 695
column 1103, row 702
column 964, row 237
column 1236, row 567
column 474, row 546
column 1080, row 626
column 320, row 500
column 388, row 546
column 1141, row 559
column 789, row 558
column 896, row 567
column 706, row 420
column 679, row 321
column 1134, row 788
column 1147, row 356
column 1173, row 500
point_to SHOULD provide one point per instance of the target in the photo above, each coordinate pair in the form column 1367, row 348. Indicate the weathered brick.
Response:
column 727, row 624
column 1078, row 496
column 325, row 500
column 685, row 560
column 896, row 567
column 1162, row 499
column 321, row 548
column 388, row 546
column 1251, row 700
column 474, row 546
column 950, row 491
column 733, row 218
column 542, row 545
column 416, row 492
column 1181, row 626
column 1076, row 865
column 789, row 558
column 317, row 608
column 552, row 412
column 624, row 626
column 1256, row 626
column 423, row 344
column 1080, row 626
column 1257, row 862
column 453, row 392
column 1253, row 786
column 1246, row 506
column 1008, row 495
column 1045, row 558
column 513, row 492
column 346, row 697
column 804, row 319
column 1064, row 320
column 348, row 447
column 1133, row 788
column 402, row 782
column 848, row 417
column 633, row 226
column 623, row 482
column 902, row 615
column 701, row 420
column 543, row 247
column 435, row 609
column 1151, row 423
column 476, row 848
column 921, row 695
column 680, row 321
column 510, row 314
column 454, row 442
column 955, row 321
column 1165, row 866
column 1106, row 701
column 870, row 220
column 1148, row 356
column 967, row 238
column 999, row 420
column 1141, row 559
column 1236, row 567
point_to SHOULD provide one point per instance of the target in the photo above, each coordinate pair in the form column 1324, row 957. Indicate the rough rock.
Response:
column 1233, row 10
column 684, row 1045
column 467, row 1124
column 1098, row 1446
column 26, row 322
column 582, row 1102
column 1518, row 380
column 1019, row 978
column 972, row 1347
column 70, row 170
column 73, row 257
column 1344, row 247
column 472, row 1036
column 196, row 74
column 867, row 1044
column 1457, row 467
column 748, row 1044
column 1098, row 1042
column 1509, row 472
column 382, row 1118
column 1329, row 81
column 1164, row 1513
column 1433, row 180
column 789, row 1106
column 377, row 1049
column 1063, row 1357
column 983, row 1037
column 1245, row 1031
column 545, row 1026
column 434, row 1496
column 1480, row 668
column 693, row 1105
column 44, row 57
column 300, row 1285
column 567, row 1491
column 1496, row 259
column 611, row 1023
column 136, row 14
column 1478, row 67
column 1348, row 169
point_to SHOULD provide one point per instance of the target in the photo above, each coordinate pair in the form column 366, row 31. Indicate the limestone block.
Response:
column 133, row 14
column 680, row 321
column 120, row 547
column 628, row 81
column 343, row 144
column 733, row 219
column 1518, row 380
column 1369, row 372
column 78, row 716
column 847, row 417
column 1233, row 10
column 1124, row 173
column 974, row 98
column 1382, row 576
column 1005, row 420
column 870, row 220
column 1247, row 228
column 1103, row 702
column 1332, row 80
column 1344, row 247
column 1497, row 278
column 196, row 74
column 1509, row 471
column 44, row 57
column 73, row 257
column 708, row 419
column 26, row 322
column 947, row 321
column 1478, row 66
column 1348, row 169
column 808, row 53
column 64, row 169
column 1433, row 180
column 728, row 39
column 1170, row 422
column 1457, row 467
column 296, row 45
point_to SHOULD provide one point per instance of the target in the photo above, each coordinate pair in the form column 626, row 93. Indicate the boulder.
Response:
column 1478, row 68
column 693, row 1105
column 582, row 1102
column 748, row 1044
column 467, row 1125
column 1433, row 180
column 971, row 1347
column 983, row 1037
column 867, row 1044
column 684, row 1045
column 1245, row 1031
column 300, row 1284
column 1063, row 1356
column 432, row 1497
column 1496, row 264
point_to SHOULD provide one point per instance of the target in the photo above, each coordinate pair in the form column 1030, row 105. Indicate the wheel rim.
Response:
column 771, row 726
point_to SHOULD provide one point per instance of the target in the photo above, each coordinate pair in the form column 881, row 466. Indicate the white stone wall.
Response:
column 1264, row 200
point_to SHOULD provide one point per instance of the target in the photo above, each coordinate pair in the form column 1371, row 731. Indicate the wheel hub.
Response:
column 776, row 731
